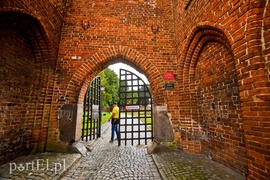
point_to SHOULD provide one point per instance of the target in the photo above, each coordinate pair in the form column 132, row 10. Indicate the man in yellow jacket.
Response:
column 114, row 121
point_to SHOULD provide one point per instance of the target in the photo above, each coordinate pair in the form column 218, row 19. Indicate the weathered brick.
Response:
column 219, row 52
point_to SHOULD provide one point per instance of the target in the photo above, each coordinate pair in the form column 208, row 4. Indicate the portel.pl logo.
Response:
column 38, row 165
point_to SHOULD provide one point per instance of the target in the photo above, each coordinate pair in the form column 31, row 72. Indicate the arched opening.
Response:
column 130, row 90
column 25, row 68
column 212, row 113
column 81, row 80
column 89, row 69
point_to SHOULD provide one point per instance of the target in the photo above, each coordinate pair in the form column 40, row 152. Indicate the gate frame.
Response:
column 92, row 97
column 123, row 109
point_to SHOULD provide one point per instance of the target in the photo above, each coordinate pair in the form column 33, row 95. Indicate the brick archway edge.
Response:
column 95, row 63
column 45, row 41
column 199, row 35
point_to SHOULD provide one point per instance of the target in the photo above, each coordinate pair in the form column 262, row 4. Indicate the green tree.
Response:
column 123, row 89
column 134, row 97
column 110, row 82
column 143, row 95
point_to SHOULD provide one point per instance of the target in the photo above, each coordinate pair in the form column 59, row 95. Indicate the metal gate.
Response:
column 91, row 127
column 136, row 115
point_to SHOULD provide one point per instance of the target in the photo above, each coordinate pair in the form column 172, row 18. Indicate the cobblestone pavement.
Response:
column 178, row 165
column 39, row 166
column 109, row 161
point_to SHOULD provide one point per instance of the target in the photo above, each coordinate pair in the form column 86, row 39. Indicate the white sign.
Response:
column 95, row 107
column 134, row 107
column 95, row 112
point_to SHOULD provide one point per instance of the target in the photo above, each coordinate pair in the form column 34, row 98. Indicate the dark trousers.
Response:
column 114, row 131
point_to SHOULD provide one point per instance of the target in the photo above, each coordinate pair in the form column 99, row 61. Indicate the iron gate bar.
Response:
column 84, row 114
column 91, row 108
column 129, row 130
column 92, row 116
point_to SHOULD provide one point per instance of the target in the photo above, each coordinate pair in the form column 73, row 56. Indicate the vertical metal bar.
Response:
column 120, row 109
column 87, row 118
column 90, row 110
column 84, row 116
column 97, row 95
column 152, row 127
column 93, row 110
column 145, row 116
column 126, row 101
column 139, row 116
column 100, row 108
column 130, row 126
column 91, row 128
column 132, row 99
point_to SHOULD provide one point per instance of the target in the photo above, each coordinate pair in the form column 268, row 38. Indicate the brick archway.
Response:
column 188, row 62
column 81, row 79
column 94, row 64
column 28, row 56
column 42, row 44
column 212, row 109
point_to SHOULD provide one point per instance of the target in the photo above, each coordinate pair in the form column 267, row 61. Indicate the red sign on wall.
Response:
column 168, row 76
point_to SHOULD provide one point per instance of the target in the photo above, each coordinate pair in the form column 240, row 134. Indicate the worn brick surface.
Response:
column 218, row 50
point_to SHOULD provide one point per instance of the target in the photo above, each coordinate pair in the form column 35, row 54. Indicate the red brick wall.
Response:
column 219, row 111
column 98, row 33
column 28, row 51
column 16, row 85
column 48, row 13
column 219, row 51
column 235, row 32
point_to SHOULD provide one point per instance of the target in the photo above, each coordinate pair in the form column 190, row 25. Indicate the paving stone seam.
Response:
column 77, row 160
column 159, row 169
column 68, row 168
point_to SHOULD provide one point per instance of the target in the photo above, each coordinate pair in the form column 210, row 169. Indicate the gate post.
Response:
column 70, row 122
column 163, row 131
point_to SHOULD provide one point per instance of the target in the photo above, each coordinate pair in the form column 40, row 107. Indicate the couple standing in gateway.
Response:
column 114, row 121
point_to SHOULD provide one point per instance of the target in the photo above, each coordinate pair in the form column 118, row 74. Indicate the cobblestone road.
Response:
column 178, row 165
column 109, row 161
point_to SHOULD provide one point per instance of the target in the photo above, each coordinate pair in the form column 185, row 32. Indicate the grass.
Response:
column 105, row 117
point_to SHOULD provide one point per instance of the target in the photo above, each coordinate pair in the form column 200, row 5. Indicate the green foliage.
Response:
column 127, row 96
column 139, row 96
column 105, row 117
column 143, row 96
column 123, row 89
column 110, row 82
